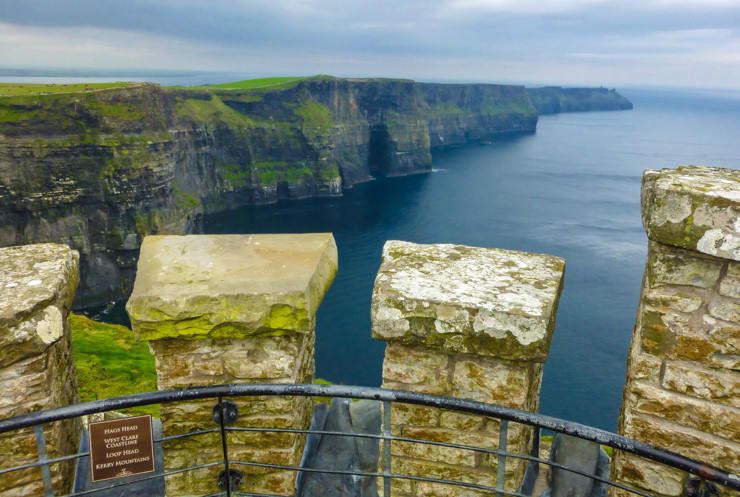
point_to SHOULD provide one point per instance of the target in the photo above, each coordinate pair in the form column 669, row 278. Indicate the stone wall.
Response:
column 223, row 309
column 683, row 375
column 37, row 372
column 463, row 322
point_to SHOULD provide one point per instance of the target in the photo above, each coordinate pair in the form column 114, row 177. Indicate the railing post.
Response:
column 225, row 309
column 387, row 466
column 503, row 435
column 226, row 475
column 464, row 322
column 38, row 431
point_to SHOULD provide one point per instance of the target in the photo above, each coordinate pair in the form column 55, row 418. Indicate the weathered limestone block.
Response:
column 224, row 309
column 683, row 376
column 221, row 286
column 487, row 302
column 37, row 285
column 463, row 322
column 695, row 208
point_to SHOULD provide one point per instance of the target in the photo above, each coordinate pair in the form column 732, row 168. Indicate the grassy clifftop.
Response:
column 11, row 89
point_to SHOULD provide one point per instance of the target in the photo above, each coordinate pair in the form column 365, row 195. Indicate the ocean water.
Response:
column 572, row 189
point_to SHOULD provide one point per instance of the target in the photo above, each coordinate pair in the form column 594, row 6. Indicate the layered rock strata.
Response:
column 227, row 309
column 101, row 170
column 683, row 375
column 464, row 322
column 37, row 372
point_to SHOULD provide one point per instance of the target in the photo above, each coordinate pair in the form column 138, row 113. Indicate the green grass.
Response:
column 314, row 115
column 250, row 84
column 45, row 89
column 111, row 362
column 213, row 111
column 185, row 200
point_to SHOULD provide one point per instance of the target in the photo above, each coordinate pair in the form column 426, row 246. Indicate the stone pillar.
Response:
column 464, row 322
column 223, row 309
column 683, row 375
column 37, row 372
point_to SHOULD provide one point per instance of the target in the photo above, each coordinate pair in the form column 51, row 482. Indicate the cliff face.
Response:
column 554, row 99
column 100, row 170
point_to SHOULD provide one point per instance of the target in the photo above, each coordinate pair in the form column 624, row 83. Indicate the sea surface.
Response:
column 572, row 189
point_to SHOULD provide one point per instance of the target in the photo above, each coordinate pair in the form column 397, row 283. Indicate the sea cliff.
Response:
column 99, row 170
column 554, row 99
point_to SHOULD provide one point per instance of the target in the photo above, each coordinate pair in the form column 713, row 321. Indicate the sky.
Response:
column 675, row 43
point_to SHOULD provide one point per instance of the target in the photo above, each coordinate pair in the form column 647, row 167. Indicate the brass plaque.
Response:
column 121, row 447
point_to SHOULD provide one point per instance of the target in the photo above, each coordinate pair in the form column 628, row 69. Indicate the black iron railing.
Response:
column 702, row 484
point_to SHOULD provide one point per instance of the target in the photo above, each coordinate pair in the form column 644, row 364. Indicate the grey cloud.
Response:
column 446, row 31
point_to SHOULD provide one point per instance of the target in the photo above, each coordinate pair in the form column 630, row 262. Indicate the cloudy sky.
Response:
column 570, row 42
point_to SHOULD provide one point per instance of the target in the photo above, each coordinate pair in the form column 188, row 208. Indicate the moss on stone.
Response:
column 656, row 338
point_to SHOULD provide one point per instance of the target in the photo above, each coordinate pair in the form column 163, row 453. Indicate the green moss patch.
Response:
column 314, row 115
column 278, row 82
column 212, row 110
column 111, row 362
column 46, row 89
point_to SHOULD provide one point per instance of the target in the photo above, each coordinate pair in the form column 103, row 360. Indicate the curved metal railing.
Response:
column 704, row 472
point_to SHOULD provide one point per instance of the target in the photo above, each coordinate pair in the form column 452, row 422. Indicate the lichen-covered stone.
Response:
column 37, row 285
column 695, row 208
column 681, row 301
column 36, row 281
column 648, row 475
column 470, row 300
column 702, row 382
column 683, row 376
column 233, row 309
column 492, row 382
column 644, row 366
column 220, row 286
column 414, row 366
column 720, row 420
column 669, row 266
column 696, row 444
column 469, row 323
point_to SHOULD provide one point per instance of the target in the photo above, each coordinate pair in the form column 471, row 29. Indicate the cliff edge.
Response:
column 100, row 169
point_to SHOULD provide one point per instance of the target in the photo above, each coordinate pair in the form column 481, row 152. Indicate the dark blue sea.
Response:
column 572, row 189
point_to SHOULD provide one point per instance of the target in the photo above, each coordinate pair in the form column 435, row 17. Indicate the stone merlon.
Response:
column 489, row 302
column 36, row 283
column 221, row 286
column 695, row 208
